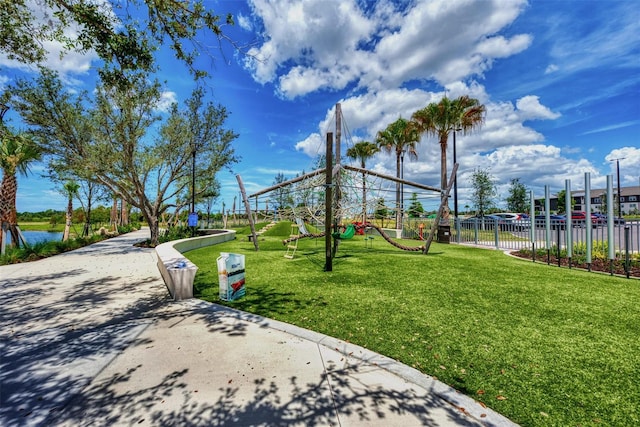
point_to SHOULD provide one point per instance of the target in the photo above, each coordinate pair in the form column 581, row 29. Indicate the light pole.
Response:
column 455, row 178
column 618, row 177
column 192, row 220
column 402, row 189
column 193, row 180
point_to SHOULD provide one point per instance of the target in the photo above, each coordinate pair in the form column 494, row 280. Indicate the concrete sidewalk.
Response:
column 91, row 338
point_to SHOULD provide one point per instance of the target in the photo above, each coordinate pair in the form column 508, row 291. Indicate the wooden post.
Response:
column 444, row 200
column 248, row 210
column 328, row 201
column 336, row 174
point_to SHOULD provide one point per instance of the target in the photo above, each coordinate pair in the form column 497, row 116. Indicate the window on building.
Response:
column 633, row 198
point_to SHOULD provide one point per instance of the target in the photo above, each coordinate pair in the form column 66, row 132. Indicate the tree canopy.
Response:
column 123, row 34
column 108, row 139
column 517, row 198
column 484, row 190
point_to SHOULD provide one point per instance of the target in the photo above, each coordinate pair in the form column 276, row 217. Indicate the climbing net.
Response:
column 359, row 197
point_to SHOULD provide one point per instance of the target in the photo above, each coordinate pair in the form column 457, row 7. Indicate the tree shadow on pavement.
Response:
column 336, row 395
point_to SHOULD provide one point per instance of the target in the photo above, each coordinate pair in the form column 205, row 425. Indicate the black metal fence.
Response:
column 577, row 240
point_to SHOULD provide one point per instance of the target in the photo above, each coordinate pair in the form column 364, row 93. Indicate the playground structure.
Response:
column 334, row 182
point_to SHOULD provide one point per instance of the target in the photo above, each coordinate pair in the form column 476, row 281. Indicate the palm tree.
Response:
column 363, row 151
column 17, row 152
column 400, row 136
column 463, row 113
column 70, row 189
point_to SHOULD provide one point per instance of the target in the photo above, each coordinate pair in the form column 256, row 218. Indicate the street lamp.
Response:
column 618, row 177
column 402, row 188
column 455, row 178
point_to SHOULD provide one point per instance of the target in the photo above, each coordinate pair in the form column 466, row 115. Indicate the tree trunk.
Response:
column 443, row 174
column 87, row 223
column 154, row 229
column 114, row 214
column 124, row 212
column 398, row 219
column 67, row 224
column 8, row 214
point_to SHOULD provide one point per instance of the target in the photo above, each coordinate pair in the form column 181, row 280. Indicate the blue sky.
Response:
column 560, row 81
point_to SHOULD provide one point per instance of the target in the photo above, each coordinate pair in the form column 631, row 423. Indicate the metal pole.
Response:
column 587, row 201
column 193, row 181
column 627, row 267
column 402, row 191
column 455, row 178
column 610, row 222
column 247, row 208
column 328, row 214
column 569, row 228
column 532, row 219
column 619, row 194
column 547, row 220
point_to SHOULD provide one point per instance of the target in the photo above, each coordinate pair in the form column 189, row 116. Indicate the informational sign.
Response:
column 231, row 276
column 192, row 221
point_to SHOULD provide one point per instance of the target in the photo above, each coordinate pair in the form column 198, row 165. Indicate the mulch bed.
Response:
column 597, row 264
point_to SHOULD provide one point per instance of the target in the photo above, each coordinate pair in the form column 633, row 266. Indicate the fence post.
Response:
column 610, row 223
column 587, row 201
column 532, row 218
column 569, row 228
column 475, row 230
column 627, row 266
column 547, row 220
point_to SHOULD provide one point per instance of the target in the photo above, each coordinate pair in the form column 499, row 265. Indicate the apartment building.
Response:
column 629, row 199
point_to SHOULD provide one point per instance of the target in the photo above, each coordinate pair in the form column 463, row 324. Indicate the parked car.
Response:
column 510, row 221
column 556, row 221
column 508, row 216
column 486, row 222
column 602, row 219
column 580, row 218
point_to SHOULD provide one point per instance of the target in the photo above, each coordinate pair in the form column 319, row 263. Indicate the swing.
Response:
column 349, row 232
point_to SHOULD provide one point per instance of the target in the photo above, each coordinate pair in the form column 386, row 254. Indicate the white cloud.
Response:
column 167, row 98
column 589, row 42
column 529, row 108
column 311, row 145
column 245, row 22
column 503, row 144
column 552, row 68
column 629, row 160
column 612, row 127
column 3, row 82
column 311, row 47
column 57, row 57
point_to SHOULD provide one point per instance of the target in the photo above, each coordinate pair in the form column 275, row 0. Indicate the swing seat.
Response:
column 349, row 232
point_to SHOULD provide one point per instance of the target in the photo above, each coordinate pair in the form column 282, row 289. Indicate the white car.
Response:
column 513, row 221
column 508, row 217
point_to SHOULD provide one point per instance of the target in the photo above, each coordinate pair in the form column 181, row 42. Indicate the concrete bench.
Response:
column 177, row 271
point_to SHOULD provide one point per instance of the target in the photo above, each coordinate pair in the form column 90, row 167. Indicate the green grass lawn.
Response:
column 539, row 344
column 43, row 226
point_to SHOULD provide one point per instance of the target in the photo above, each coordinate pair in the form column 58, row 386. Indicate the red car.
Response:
column 582, row 217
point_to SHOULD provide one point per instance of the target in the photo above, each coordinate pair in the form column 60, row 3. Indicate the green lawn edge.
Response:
column 539, row 344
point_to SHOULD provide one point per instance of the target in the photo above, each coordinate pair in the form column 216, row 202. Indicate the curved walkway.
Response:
column 91, row 337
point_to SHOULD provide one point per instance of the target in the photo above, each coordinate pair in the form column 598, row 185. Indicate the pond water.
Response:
column 40, row 236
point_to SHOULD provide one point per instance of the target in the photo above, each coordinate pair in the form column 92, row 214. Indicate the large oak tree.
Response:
column 109, row 140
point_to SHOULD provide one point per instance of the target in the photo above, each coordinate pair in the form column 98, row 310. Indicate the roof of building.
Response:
column 624, row 191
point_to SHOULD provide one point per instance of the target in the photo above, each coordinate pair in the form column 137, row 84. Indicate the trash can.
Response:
column 231, row 276
column 444, row 234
